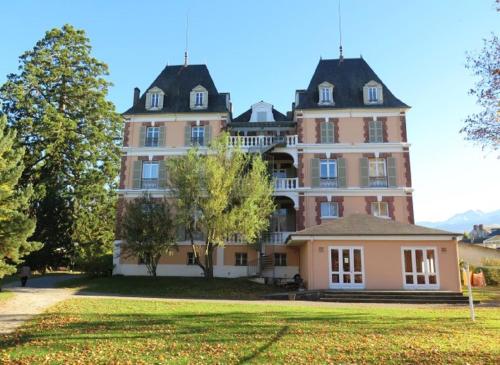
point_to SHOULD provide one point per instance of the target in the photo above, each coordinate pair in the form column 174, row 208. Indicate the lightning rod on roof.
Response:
column 186, row 49
column 341, row 57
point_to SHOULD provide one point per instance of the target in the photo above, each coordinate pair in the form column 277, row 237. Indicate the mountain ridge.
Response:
column 463, row 222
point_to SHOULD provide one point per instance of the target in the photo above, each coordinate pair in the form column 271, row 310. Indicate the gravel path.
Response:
column 38, row 295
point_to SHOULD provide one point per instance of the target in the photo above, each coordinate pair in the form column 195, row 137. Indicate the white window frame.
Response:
column 330, row 205
column 238, row 258
column 199, row 99
column 331, row 178
column 341, row 272
column 377, row 210
column 326, row 95
column 282, row 261
column 198, row 134
column 372, row 94
column 155, row 100
column 149, row 170
column 426, row 272
column 153, row 135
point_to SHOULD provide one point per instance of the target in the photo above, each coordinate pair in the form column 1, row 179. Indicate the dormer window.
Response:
column 372, row 93
column 262, row 112
column 325, row 94
column 198, row 98
column 154, row 99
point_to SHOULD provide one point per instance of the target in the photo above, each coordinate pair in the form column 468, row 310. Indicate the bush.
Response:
column 491, row 274
column 97, row 266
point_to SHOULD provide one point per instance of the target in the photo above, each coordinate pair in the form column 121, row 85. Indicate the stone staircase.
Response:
column 370, row 296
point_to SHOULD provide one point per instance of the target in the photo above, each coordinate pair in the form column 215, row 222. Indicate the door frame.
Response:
column 341, row 270
column 426, row 273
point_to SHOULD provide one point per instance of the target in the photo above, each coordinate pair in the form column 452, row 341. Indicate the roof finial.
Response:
column 186, row 49
column 341, row 57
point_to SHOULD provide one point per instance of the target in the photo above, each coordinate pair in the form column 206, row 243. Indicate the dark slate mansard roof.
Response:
column 177, row 82
column 348, row 78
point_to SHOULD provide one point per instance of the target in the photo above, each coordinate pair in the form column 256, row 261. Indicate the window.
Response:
column 190, row 258
column 152, row 136
column 150, row 174
column 329, row 210
column 155, row 100
column 199, row 99
column 328, row 173
column 198, row 135
column 325, row 95
column 261, row 116
column 280, row 259
column 377, row 173
column 241, row 259
column 375, row 131
column 372, row 94
column 380, row 209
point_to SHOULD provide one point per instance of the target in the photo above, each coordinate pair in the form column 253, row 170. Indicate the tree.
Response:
column 148, row 231
column 15, row 224
column 71, row 133
column 222, row 193
column 484, row 127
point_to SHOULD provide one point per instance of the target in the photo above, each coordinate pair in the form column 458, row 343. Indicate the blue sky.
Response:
column 268, row 49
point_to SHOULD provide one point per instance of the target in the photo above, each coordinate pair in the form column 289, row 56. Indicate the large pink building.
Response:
column 342, row 150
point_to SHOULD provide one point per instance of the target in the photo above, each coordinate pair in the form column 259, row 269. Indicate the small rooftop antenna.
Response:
column 341, row 57
column 186, row 49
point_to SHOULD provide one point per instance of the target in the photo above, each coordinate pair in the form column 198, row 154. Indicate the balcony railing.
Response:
column 287, row 183
column 274, row 238
column 378, row 182
column 151, row 142
column 257, row 141
column 330, row 182
column 149, row 183
column 197, row 141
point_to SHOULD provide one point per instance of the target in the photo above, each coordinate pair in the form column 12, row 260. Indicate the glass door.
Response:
column 346, row 268
column 420, row 269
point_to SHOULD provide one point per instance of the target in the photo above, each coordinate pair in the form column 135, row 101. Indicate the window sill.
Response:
column 330, row 217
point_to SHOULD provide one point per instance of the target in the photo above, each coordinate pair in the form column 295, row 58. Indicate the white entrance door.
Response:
column 346, row 268
column 420, row 268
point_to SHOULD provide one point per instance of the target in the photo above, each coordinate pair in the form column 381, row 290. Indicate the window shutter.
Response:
column 323, row 132
column 208, row 135
column 162, row 136
column 391, row 172
column 365, row 94
column 315, row 172
column 341, row 173
column 142, row 136
column 331, row 133
column 187, row 135
column 371, row 131
column 136, row 175
column 148, row 100
column 379, row 135
column 363, row 172
column 162, row 175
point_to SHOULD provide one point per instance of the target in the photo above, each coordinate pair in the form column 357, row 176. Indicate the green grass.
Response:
column 4, row 295
column 487, row 294
column 111, row 331
column 174, row 287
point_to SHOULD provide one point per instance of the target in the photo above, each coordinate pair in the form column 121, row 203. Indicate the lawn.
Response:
column 487, row 294
column 4, row 295
column 174, row 287
column 110, row 331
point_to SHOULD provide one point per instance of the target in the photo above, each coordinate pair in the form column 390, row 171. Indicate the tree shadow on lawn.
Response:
column 271, row 326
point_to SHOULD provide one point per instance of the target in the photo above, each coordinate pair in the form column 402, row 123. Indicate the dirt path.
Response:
column 38, row 295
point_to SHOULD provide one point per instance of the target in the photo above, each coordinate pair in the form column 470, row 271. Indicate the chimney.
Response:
column 137, row 94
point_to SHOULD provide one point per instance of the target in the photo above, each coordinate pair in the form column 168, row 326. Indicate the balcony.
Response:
column 330, row 182
column 263, row 141
column 275, row 238
column 377, row 182
column 151, row 142
column 198, row 141
column 286, row 183
column 149, row 183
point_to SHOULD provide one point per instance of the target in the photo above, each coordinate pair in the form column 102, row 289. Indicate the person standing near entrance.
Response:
column 24, row 274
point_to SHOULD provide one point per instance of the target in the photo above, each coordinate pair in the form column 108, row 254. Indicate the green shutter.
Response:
column 162, row 175
column 142, row 136
column 136, row 175
column 341, row 173
column 363, row 172
column 162, row 136
column 375, row 131
column 187, row 135
column 332, row 132
column 315, row 172
column 379, row 131
column 391, row 172
column 208, row 135
column 323, row 135
column 371, row 131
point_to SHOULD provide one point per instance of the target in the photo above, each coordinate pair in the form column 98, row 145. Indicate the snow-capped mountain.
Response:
column 463, row 222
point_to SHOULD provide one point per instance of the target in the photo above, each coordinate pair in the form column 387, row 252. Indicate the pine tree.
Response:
column 57, row 103
column 15, row 225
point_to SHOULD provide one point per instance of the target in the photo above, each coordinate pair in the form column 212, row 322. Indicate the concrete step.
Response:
column 398, row 300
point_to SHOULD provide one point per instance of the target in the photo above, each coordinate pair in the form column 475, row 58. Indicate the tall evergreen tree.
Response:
column 57, row 103
column 15, row 225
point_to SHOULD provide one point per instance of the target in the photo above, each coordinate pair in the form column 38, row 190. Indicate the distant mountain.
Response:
column 463, row 222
